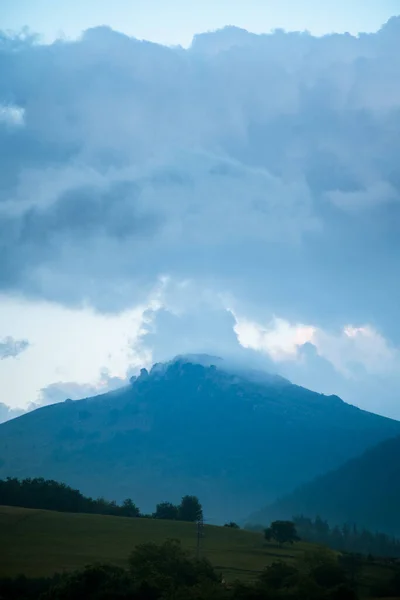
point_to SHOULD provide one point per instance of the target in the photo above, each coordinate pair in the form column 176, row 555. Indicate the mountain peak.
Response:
column 235, row 437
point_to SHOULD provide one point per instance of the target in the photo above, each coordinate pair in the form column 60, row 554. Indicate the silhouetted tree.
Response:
column 282, row 532
column 53, row 495
column 129, row 509
column 166, row 510
column 190, row 509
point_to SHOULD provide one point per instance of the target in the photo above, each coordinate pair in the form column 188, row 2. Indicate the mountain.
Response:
column 365, row 490
column 236, row 439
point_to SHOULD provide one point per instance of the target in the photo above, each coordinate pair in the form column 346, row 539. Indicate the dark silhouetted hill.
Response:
column 364, row 491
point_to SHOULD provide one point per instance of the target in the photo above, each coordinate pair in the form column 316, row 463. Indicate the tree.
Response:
column 282, row 532
column 232, row 524
column 166, row 510
column 129, row 509
column 322, row 528
column 346, row 539
column 190, row 509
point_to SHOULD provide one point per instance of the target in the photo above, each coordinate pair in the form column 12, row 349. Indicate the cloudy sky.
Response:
column 175, row 22
column 233, row 192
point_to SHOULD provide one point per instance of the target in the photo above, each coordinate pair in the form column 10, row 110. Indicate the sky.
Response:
column 175, row 22
column 234, row 192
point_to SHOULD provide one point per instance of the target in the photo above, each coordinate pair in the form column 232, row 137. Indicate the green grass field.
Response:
column 39, row 543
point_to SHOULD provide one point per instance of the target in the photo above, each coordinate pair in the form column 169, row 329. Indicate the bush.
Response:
column 232, row 524
column 97, row 582
column 279, row 575
column 168, row 567
column 22, row 588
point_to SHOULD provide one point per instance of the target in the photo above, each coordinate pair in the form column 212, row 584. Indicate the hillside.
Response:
column 235, row 440
column 40, row 543
column 365, row 490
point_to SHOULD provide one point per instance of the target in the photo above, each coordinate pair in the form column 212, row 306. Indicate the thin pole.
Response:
column 200, row 525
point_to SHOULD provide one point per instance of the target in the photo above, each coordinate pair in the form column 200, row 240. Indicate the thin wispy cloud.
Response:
column 11, row 348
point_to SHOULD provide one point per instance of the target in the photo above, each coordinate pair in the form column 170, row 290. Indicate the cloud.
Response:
column 376, row 392
column 61, row 391
column 358, row 348
column 7, row 413
column 261, row 167
column 280, row 340
column 11, row 348
column 156, row 213
column 356, row 363
column 68, row 345
column 193, row 160
column 11, row 115
column 349, row 349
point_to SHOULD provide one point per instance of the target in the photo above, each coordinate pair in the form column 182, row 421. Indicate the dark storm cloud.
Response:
column 40, row 235
column 265, row 166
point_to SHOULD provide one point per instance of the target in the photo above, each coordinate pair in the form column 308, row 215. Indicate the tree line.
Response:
column 48, row 494
column 347, row 538
column 168, row 572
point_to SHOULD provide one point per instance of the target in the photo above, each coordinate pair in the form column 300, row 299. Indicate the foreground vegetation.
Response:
column 39, row 544
column 168, row 572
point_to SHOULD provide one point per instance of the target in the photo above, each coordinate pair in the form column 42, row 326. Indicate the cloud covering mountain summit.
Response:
column 261, row 167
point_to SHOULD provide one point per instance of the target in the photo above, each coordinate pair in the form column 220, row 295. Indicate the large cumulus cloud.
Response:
column 355, row 363
column 261, row 167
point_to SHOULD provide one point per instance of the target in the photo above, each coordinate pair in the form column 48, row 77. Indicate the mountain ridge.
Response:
column 237, row 440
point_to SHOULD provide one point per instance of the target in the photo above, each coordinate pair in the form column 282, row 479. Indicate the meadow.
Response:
column 40, row 543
